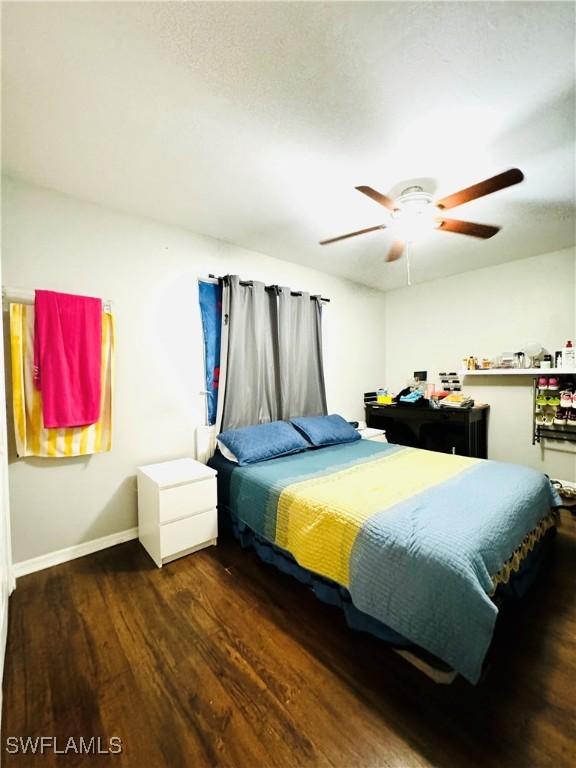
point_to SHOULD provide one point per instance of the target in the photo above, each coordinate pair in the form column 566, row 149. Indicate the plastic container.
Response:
column 383, row 397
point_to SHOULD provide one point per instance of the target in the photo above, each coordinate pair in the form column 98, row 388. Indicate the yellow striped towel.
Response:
column 32, row 439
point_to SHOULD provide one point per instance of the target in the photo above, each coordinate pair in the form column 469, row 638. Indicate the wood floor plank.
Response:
column 219, row 661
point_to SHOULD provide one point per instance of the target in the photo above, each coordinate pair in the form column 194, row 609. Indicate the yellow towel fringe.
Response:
column 512, row 565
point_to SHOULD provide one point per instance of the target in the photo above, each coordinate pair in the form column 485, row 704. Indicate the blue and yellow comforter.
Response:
column 420, row 539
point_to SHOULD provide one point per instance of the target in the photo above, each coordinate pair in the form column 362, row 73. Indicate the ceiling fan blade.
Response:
column 351, row 234
column 486, row 187
column 396, row 251
column 378, row 197
column 468, row 228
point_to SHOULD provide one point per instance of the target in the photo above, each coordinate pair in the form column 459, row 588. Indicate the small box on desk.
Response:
column 377, row 398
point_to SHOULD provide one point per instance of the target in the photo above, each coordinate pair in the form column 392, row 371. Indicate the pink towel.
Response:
column 67, row 358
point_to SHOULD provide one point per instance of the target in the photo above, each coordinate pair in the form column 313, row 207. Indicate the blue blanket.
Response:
column 418, row 538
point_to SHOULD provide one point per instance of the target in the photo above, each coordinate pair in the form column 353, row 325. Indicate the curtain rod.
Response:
column 267, row 287
column 23, row 296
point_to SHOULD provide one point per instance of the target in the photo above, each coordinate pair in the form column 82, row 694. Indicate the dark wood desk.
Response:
column 448, row 430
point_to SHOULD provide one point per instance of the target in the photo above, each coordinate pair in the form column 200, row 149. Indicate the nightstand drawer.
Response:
column 186, row 500
column 187, row 533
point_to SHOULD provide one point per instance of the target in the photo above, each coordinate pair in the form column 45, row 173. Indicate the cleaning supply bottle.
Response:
column 568, row 356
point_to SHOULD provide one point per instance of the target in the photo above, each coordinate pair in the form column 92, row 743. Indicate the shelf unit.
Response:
column 520, row 372
column 539, row 432
column 554, row 431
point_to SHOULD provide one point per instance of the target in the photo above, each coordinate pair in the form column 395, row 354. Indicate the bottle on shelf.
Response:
column 568, row 356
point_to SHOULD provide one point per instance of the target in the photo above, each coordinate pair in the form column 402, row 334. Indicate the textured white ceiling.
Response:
column 253, row 122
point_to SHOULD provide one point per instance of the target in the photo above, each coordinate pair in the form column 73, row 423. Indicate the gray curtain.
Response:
column 300, row 355
column 271, row 355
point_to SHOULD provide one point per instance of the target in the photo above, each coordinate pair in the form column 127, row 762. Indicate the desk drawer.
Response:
column 186, row 500
column 183, row 534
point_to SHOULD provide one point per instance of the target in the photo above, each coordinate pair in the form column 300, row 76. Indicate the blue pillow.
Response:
column 261, row 442
column 326, row 430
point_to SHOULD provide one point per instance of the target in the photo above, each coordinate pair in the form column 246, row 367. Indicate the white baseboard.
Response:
column 71, row 553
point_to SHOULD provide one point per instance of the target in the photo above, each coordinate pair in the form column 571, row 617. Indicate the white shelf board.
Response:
column 520, row 372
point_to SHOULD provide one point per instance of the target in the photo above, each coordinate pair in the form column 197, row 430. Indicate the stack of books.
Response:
column 457, row 401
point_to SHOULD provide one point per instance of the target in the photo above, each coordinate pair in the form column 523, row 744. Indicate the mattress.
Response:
column 419, row 541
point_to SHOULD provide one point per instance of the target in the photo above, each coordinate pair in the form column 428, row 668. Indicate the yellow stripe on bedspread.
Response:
column 318, row 519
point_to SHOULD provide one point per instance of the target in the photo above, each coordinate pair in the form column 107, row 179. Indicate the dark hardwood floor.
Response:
column 219, row 660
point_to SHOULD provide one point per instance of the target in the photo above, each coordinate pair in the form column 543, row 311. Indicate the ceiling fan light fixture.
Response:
column 415, row 215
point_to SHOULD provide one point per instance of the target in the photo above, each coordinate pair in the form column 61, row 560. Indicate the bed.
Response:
column 415, row 546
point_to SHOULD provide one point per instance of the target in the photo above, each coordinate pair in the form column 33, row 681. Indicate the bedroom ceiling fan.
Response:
column 413, row 214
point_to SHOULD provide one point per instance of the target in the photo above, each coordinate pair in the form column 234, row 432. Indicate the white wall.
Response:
column 150, row 272
column 434, row 325
column 6, row 575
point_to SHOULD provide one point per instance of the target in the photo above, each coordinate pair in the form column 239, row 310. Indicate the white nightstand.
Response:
column 176, row 508
column 369, row 433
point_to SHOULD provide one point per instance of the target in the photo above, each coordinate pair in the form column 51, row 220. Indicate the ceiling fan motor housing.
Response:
column 414, row 197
